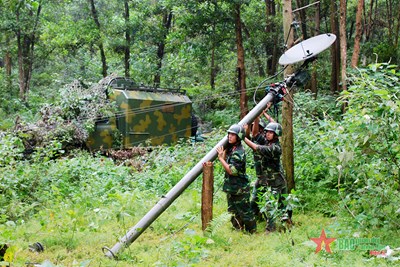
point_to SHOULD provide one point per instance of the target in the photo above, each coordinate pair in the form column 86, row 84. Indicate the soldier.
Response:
column 271, row 177
column 258, row 137
column 236, row 183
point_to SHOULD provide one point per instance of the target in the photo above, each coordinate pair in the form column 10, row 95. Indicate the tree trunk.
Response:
column 271, row 50
column 26, row 46
column 127, row 50
column 8, row 68
column 335, row 55
column 302, row 13
column 240, row 63
column 287, row 112
column 100, row 42
column 389, row 20
column 343, row 49
column 357, row 38
column 275, row 56
column 392, row 9
column 343, row 44
column 213, row 67
column 103, row 60
column 23, row 68
column 369, row 21
column 314, row 81
column 213, row 73
column 397, row 32
column 167, row 19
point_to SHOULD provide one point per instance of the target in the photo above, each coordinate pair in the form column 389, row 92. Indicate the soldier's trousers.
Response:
column 243, row 217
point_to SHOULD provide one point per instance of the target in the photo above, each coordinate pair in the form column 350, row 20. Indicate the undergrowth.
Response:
column 347, row 181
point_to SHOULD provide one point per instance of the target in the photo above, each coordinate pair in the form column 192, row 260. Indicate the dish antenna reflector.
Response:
column 307, row 49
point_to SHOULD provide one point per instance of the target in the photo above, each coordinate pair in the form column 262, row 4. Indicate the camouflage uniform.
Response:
column 260, row 140
column 271, row 174
column 237, row 187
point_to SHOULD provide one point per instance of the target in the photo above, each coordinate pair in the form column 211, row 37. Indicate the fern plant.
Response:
column 217, row 222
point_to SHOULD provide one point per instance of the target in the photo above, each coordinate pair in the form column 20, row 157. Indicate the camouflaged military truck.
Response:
column 145, row 116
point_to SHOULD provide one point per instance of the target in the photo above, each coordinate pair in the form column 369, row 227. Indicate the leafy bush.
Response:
column 315, row 152
column 27, row 187
column 11, row 148
column 371, row 138
column 356, row 159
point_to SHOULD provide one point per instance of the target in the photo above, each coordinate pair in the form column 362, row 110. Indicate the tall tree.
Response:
column 202, row 31
column 359, row 30
column 166, row 25
column 335, row 48
column 6, row 37
column 270, row 30
column 27, row 21
column 314, row 82
column 343, row 44
column 370, row 20
column 127, row 48
column 287, row 113
column 8, row 66
column 396, row 34
column 95, row 17
column 393, row 14
column 302, row 13
column 241, row 71
column 213, row 67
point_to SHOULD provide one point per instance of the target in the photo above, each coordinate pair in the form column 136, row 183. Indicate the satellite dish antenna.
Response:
column 307, row 49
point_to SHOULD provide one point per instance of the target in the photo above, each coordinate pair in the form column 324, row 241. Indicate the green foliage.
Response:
column 276, row 206
column 384, row 52
column 315, row 152
column 11, row 149
column 355, row 160
column 347, row 165
column 219, row 108
column 165, row 166
column 26, row 187
column 372, row 130
column 218, row 222
column 189, row 250
column 76, row 205
column 13, row 110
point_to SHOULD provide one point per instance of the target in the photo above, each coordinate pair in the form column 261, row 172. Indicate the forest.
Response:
column 65, row 203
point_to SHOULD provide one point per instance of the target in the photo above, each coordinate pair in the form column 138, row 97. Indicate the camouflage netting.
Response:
column 71, row 119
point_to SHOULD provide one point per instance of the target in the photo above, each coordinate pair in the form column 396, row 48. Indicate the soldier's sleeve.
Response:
column 273, row 150
column 236, row 162
column 259, row 140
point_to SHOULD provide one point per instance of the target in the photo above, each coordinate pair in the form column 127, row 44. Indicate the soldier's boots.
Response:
column 237, row 223
column 251, row 226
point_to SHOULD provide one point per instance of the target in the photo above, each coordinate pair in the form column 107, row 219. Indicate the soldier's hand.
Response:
column 221, row 152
